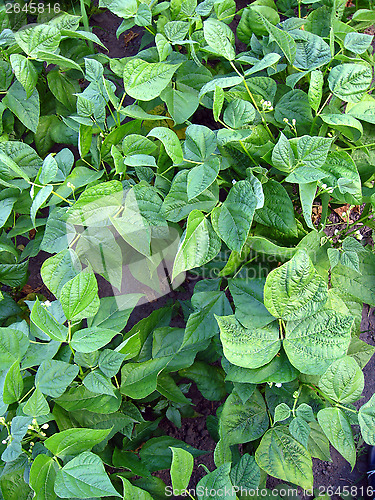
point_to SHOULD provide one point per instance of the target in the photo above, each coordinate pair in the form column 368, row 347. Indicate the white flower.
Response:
column 278, row 384
column 294, row 121
column 32, row 444
column 285, row 120
column 233, row 182
column 34, row 422
column 336, row 231
column 32, row 191
column 71, row 186
column 324, row 186
column 4, row 441
column 46, row 303
column 45, row 426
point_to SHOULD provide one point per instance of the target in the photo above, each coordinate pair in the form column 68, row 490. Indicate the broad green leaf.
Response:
column 47, row 323
column 13, row 384
column 366, row 417
column 300, row 430
column 246, row 473
column 25, row 73
column 13, row 346
column 343, row 381
column 312, row 51
column 307, row 192
column 313, row 151
column 114, row 311
column 218, row 102
column 222, row 82
column 216, row 482
column 268, row 60
column 59, row 269
column 170, row 141
column 282, row 456
column 232, row 220
column 49, row 169
column 59, row 60
column 42, row 477
column 26, row 109
column 138, row 380
column 295, row 290
column 200, row 244
column 357, row 42
column 209, row 380
column 315, row 89
column 181, row 102
column 282, row 412
column 201, row 177
column 239, row 114
column 363, row 110
column 277, row 211
column 346, row 124
column 73, row 441
column 200, row 143
column 340, row 165
column 125, row 10
column 249, row 348
column 181, row 468
column 337, row 429
column 313, row 343
column 294, row 105
column 350, row 81
column 79, row 296
column 80, row 398
column 36, row 405
column 63, row 88
column 282, row 155
column 84, row 477
column 91, row 339
column 131, row 492
column 220, row 38
column 248, row 299
column 144, row 80
column 38, row 38
column 134, row 229
column 40, row 198
column 283, row 39
column 53, row 377
column 318, row 444
column 99, row 384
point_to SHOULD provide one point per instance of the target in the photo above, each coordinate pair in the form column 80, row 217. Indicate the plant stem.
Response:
column 85, row 22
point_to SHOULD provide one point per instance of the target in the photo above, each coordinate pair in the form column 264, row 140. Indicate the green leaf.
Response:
column 233, row 219
column 357, row 42
column 79, row 296
column 249, row 348
column 246, row 473
column 313, row 151
column 313, row 343
column 315, row 89
column 343, row 381
column 340, row 165
column 73, row 441
column 220, row 38
column 53, row 377
column 144, row 80
column 42, row 477
column 218, row 102
column 96, row 382
column 283, row 39
column 170, row 141
column 91, row 339
column 251, row 22
column 84, row 477
column 200, row 143
column 347, row 125
column 199, row 246
column 131, row 492
column 282, row 412
column 215, row 482
column 201, row 177
column 26, row 109
column 38, row 38
column 366, row 417
column 36, row 405
column 59, row 269
column 25, row 73
column 295, row 290
column 114, row 311
column 294, row 105
column 300, row 430
column 248, row 299
column 307, row 192
column 40, row 198
column 277, row 211
column 138, row 380
column 312, row 51
column 350, row 81
column 63, row 62
column 47, row 323
column 181, row 468
column 337, row 429
column 282, row 155
column 318, row 444
column 209, row 380
column 363, row 110
column 181, row 102
column 282, row 456
column 13, row 384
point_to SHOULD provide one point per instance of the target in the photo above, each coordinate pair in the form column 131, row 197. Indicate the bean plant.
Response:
column 227, row 155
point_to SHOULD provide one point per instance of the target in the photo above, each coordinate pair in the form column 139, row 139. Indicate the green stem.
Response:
column 85, row 22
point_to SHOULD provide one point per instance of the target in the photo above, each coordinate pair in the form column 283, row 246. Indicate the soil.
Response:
column 337, row 473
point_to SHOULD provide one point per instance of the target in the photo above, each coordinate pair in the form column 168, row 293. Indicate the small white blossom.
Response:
column 34, row 422
column 45, row 426
column 278, row 384
column 233, row 182
column 285, row 120
column 71, row 186
column 324, row 186
column 294, row 121
column 46, row 303
column 32, row 444
column 336, row 231
column 32, row 191
column 4, row 441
